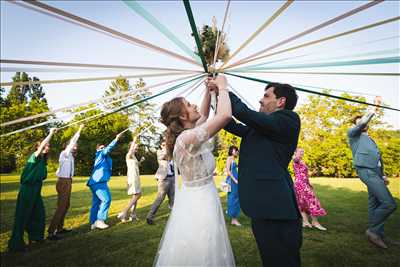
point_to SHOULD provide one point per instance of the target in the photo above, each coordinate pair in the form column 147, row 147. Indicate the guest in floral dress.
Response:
column 307, row 201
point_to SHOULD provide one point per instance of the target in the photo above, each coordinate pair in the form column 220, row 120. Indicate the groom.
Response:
column 268, row 140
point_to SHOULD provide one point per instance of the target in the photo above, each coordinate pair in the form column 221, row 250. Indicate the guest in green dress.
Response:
column 30, row 213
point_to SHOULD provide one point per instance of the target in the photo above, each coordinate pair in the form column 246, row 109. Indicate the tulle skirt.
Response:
column 196, row 233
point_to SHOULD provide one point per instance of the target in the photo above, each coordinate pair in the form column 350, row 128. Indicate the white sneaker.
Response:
column 100, row 224
column 92, row 227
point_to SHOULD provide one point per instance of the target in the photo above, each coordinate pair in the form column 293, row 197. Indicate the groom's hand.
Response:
column 216, row 84
column 221, row 82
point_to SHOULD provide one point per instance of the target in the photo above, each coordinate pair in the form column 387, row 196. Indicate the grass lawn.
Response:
column 135, row 244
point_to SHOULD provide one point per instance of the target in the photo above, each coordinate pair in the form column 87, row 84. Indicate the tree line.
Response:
column 323, row 135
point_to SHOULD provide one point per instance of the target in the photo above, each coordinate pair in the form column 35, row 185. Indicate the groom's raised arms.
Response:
column 237, row 128
column 275, row 118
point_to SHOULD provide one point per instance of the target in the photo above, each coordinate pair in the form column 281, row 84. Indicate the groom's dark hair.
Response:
column 287, row 91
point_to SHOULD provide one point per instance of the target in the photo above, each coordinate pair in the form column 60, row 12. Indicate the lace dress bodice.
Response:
column 193, row 157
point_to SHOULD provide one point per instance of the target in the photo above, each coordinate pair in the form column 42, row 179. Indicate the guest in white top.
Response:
column 65, row 172
column 134, row 188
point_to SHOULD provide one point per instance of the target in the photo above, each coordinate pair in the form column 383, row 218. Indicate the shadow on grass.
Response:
column 123, row 244
column 13, row 186
column 80, row 203
column 135, row 244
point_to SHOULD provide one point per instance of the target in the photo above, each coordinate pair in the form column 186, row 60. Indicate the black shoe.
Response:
column 149, row 221
column 64, row 231
column 54, row 237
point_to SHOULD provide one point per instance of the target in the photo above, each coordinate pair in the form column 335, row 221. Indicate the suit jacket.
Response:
column 102, row 168
column 267, row 146
column 365, row 151
column 162, row 170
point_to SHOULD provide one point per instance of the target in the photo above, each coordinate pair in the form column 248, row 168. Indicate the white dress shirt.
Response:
column 66, row 160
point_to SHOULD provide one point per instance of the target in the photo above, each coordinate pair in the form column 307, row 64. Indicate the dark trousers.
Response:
column 166, row 187
column 278, row 241
column 63, row 188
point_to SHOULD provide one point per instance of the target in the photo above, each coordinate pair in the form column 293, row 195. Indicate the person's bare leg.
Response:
column 124, row 213
column 306, row 223
column 134, row 206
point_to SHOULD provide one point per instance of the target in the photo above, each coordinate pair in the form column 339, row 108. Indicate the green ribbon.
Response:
column 372, row 61
column 135, row 6
column 153, row 96
column 314, row 92
column 195, row 34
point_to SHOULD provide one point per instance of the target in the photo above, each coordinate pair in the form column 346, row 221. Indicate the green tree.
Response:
column 224, row 141
column 323, row 136
column 99, row 131
column 21, row 101
column 102, row 130
column 18, row 93
column 3, row 100
column 142, row 117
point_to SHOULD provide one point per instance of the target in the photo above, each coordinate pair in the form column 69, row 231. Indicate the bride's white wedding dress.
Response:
column 195, row 234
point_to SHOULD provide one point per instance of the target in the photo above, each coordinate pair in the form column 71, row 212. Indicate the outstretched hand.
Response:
column 217, row 84
column 221, row 82
column 378, row 102
column 385, row 180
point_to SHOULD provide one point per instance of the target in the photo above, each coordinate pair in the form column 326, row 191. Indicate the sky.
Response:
column 28, row 35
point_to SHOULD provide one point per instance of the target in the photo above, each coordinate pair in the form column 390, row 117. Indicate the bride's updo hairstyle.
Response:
column 170, row 113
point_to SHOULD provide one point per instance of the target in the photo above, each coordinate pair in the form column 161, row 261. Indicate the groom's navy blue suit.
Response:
column 266, row 191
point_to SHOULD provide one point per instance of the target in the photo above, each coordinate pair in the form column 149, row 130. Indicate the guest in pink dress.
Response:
column 307, row 201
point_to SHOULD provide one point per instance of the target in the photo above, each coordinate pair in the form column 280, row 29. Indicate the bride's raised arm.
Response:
column 224, row 110
column 205, row 106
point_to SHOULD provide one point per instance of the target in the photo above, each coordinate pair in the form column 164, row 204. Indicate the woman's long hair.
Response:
column 170, row 113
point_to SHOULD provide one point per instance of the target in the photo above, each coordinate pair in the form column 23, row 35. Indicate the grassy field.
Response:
column 135, row 244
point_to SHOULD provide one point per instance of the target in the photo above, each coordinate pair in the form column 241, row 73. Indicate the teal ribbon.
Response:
column 372, row 61
column 135, row 6
column 195, row 34
column 314, row 92
column 331, row 89
column 374, row 53
column 153, row 96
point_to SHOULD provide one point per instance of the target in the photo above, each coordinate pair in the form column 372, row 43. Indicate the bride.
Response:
column 195, row 234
